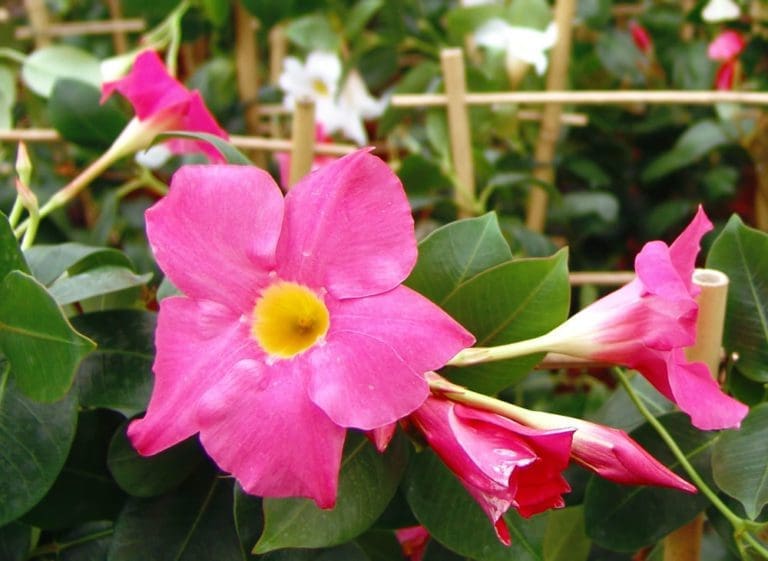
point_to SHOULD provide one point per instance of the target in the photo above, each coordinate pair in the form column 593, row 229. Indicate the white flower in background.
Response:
column 468, row 3
column 318, row 78
column 154, row 157
column 522, row 44
column 720, row 10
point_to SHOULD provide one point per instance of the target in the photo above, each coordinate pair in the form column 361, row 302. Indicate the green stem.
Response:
column 54, row 547
column 475, row 355
column 13, row 54
column 33, row 222
column 16, row 210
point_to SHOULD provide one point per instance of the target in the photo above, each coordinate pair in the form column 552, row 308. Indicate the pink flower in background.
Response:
column 647, row 324
column 294, row 325
column 163, row 104
column 726, row 48
column 640, row 37
column 413, row 540
column 502, row 463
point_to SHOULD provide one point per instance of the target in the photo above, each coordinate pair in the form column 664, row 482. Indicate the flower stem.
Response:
column 476, row 355
column 16, row 210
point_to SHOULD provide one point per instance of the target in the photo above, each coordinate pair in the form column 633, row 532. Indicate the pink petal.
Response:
column 348, row 228
column 214, row 234
column 382, row 436
column 258, row 424
column 197, row 343
column 361, row 382
column 699, row 395
column 725, row 75
column 685, row 248
column 198, row 119
column 419, row 331
column 727, row 45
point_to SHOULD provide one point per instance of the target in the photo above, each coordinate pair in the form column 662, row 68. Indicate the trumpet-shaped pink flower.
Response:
column 726, row 49
column 500, row 462
column 647, row 324
column 163, row 104
column 641, row 37
column 413, row 541
column 294, row 325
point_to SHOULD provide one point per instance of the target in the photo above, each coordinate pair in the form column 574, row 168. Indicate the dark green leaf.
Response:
column 740, row 461
column 76, row 113
column 692, row 69
column 510, row 302
column 380, row 545
column 118, row 374
column 217, row 11
column 231, row 154
column 49, row 262
column 742, row 254
column 84, row 490
column 11, row 258
column 89, row 542
column 313, row 32
column 367, row 482
column 626, row 518
column 565, row 538
column 15, row 540
column 42, row 347
column 359, row 16
column 190, row 524
column 620, row 56
column 454, row 519
column 619, row 411
column 149, row 476
column 417, row 80
column 34, row 443
column 95, row 282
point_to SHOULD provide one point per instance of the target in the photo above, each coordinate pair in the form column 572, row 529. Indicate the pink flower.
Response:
column 647, row 324
column 726, row 49
column 640, row 37
column 294, row 325
column 500, row 462
column 163, row 104
column 413, row 540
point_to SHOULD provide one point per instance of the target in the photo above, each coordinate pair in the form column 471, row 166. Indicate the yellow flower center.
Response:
column 320, row 88
column 288, row 319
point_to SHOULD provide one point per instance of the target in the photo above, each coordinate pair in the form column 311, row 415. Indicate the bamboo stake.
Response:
column 557, row 79
column 684, row 544
column 590, row 97
column 82, row 28
column 119, row 38
column 303, row 136
column 278, row 46
column 246, row 57
column 39, row 21
column 616, row 278
column 452, row 61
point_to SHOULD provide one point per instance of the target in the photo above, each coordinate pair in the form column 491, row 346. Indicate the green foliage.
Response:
column 45, row 66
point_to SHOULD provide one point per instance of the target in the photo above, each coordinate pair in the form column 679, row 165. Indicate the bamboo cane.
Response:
column 278, row 45
column 247, row 59
column 684, row 544
column 119, row 38
column 452, row 61
column 69, row 29
column 303, row 137
column 39, row 21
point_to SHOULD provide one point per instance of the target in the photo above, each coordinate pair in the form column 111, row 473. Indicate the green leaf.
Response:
column 89, row 542
column 7, row 96
column 84, row 490
column 627, row 518
column 15, row 541
column 49, row 262
column 510, row 302
column 695, row 143
column 43, row 67
column 565, row 538
column 619, row 411
column 367, row 482
column 417, row 80
column 149, row 476
column 454, row 519
column 192, row 523
column 231, row 154
column 34, row 440
column 118, row 374
column 95, row 282
column 464, row 20
column 42, row 347
column 76, row 113
column 454, row 253
column 313, row 32
column 216, row 11
column 620, row 57
column 11, row 258
column 359, row 16
column 692, row 69
column 742, row 254
column 740, row 461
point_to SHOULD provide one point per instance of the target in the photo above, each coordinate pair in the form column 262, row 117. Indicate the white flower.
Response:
column 154, row 157
column 318, row 78
column 720, row 10
column 520, row 43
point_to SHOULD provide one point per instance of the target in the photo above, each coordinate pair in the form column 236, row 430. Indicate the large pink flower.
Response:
column 163, row 104
column 500, row 462
column 294, row 325
column 647, row 324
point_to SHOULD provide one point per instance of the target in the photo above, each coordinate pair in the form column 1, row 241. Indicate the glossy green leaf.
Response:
column 453, row 254
column 696, row 142
column 15, row 540
column 149, row 476
column 89, row 542
column 192, row 523
column 84, row 490
column 78, row 115
column 626, row 518
column 11, row 257
column 34, row 443
column 41, row 345
column 565, row 538
column 118, row 374
column 510, row 302
column 313, row 32
column 619, row 411
column 359, row 16
column 95, row 282
column 742, row 254
column 367, row 482
column 49, row 262
column 740, row 461
column 43, row 67
column 454, row 519
column 231, row 154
